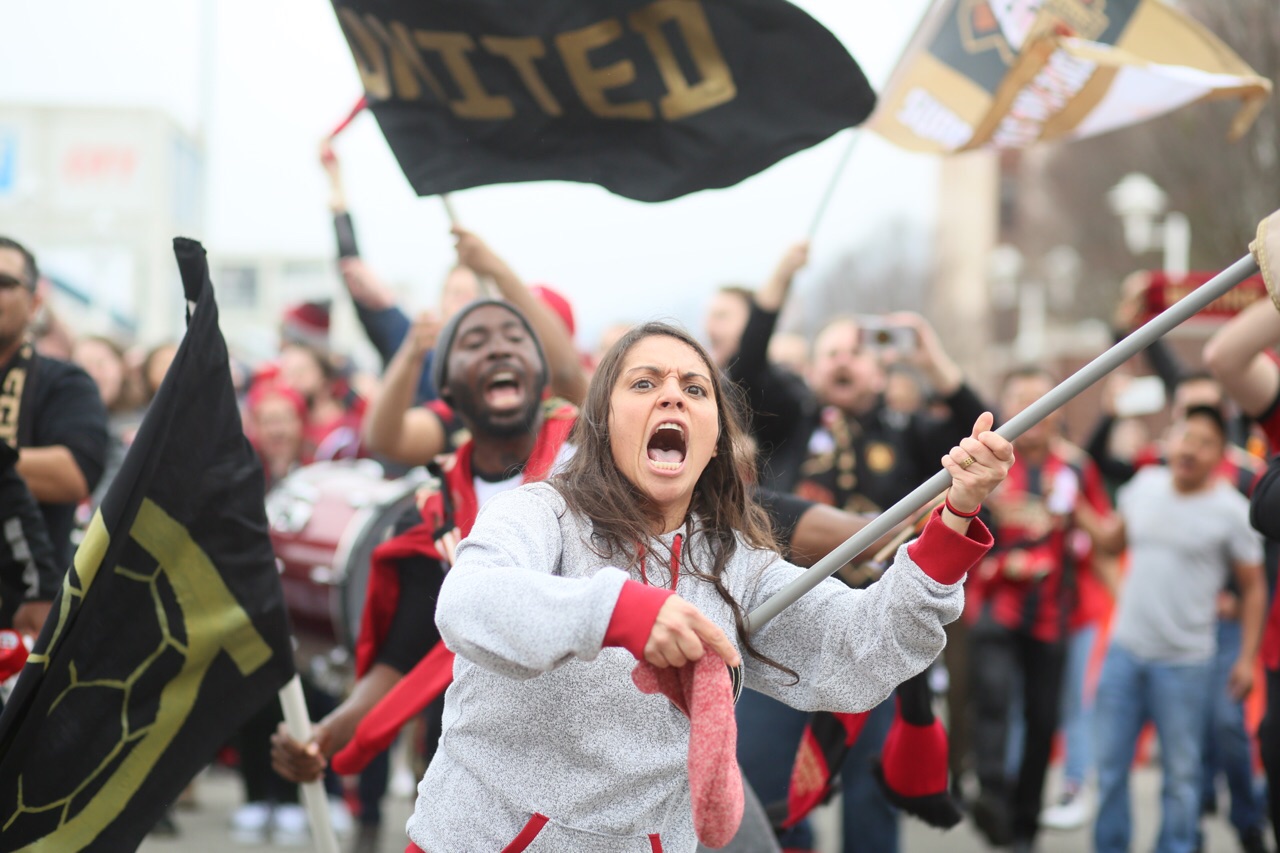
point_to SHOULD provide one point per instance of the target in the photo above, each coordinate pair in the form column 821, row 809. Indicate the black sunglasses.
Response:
column 8, row 282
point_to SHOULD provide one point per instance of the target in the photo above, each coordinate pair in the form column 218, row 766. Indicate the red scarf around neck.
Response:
column 428, row 679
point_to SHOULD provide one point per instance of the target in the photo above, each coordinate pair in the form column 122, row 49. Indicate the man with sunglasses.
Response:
column 50, row 411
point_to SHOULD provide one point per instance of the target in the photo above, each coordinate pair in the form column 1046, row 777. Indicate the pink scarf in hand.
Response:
column 702, row 691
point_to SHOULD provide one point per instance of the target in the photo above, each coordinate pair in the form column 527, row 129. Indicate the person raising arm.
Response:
column 649, row 547
column 1238, row 355
column 566, row 377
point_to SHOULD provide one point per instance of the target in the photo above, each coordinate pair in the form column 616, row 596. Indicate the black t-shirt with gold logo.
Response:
column 867, row 463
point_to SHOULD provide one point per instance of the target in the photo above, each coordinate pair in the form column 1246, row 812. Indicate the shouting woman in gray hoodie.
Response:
column 648, row 547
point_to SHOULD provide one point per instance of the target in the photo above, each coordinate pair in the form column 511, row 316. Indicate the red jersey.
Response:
column 1038, row 579
column 1092, row 596
column 338, row 438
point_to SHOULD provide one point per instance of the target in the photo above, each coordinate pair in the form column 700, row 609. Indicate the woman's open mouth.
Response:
column 667, row 446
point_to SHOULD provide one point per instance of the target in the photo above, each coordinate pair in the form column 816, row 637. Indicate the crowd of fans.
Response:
column 1131, row 548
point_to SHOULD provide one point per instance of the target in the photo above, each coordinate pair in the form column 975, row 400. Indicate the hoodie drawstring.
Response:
column 675, row 562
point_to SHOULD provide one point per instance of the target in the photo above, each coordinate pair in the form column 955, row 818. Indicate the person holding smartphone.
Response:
column 835, row 443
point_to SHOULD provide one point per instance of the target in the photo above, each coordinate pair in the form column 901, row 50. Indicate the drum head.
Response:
column 325, row 521
column 397, row 515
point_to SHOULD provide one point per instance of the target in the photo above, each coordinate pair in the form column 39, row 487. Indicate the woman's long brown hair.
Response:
column 622, row 515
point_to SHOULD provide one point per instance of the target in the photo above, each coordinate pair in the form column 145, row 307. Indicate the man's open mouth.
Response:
column 502, row 391
column 667, row 447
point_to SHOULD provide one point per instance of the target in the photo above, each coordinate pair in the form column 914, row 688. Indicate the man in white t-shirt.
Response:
column 1187, row 531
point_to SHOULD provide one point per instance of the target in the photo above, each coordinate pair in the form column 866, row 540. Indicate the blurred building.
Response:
column 255, row 291
column 1011, row 287
column 98, row 194
column 968, row 229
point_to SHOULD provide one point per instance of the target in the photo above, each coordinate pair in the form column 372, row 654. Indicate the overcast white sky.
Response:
column 281, row 75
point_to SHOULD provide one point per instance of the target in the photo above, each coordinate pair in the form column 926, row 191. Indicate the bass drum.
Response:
column 325, row 520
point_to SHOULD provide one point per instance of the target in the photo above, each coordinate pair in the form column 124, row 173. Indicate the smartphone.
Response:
column 879, row 336
column 1144, row 395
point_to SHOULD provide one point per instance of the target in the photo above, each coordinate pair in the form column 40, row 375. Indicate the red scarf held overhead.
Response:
column 429, row 678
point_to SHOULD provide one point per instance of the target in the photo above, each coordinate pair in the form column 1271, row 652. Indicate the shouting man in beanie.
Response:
column 492, row 373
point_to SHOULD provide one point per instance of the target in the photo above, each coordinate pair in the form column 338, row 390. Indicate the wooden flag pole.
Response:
column 488, row 289
column 930, row 490
column 298, row 720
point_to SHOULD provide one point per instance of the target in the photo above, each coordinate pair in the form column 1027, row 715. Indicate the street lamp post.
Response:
column 1004, row 269
column 1011, row 289
column 1139, row 202
column 1050, row 286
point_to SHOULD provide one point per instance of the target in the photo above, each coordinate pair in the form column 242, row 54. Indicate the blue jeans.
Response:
column 768, row 737
column 1226, row 741
column 1131, row 692
column 1077, row 708
column 870, row 820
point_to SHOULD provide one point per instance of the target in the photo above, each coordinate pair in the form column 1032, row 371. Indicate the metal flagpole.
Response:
column 816, row 223
column 488, row 289
column 449, row 211
column 1020, row 423
column 928, row 26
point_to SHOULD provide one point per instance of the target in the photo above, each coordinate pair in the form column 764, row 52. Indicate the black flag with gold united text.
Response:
column 169, row 629
column 651, row 99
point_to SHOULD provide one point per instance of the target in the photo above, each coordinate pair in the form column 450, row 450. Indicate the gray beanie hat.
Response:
column 444, row 344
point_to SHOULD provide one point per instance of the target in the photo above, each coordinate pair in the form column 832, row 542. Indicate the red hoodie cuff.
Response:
column 634, row 615
column 945, row 555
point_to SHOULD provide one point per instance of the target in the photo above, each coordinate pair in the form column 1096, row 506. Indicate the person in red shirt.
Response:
column 334, row 413
column 276, row 423
column 1021, row 604
column 1094, row 585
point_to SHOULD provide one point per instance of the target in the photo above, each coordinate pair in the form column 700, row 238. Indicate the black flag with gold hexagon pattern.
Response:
column 169, row 630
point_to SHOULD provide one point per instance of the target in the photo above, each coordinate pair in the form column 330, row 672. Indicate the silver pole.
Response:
column 829, row 193
column 1020, row 423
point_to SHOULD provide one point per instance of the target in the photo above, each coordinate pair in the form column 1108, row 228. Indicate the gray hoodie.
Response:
column 542, row 721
